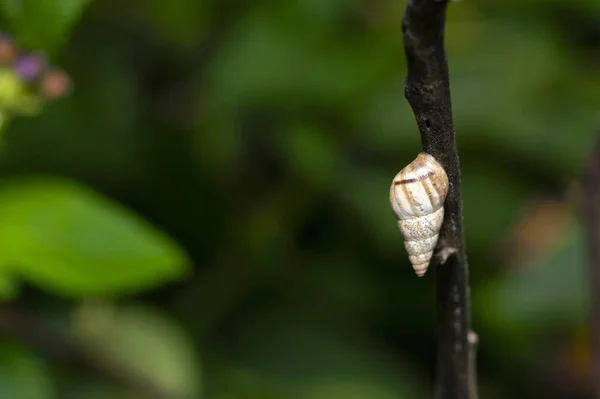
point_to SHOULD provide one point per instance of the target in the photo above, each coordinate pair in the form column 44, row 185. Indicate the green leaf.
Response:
column 143, row 341
column 42, row 24
column 22, row 376
column 71, row 241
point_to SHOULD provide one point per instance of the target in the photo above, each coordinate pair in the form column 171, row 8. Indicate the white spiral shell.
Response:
column 417, row 196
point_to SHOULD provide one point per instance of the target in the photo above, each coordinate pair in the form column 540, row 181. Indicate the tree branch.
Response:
column 590, row 213
column 427, row 89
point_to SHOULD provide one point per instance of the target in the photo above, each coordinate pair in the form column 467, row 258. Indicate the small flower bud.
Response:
column 8, row 50
column 29, row 66
column 55, row 84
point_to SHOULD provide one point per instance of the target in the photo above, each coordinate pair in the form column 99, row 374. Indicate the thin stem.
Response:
column 427, row 89
column 24, row 327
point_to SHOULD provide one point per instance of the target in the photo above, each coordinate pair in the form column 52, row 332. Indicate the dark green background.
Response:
column 261, row 137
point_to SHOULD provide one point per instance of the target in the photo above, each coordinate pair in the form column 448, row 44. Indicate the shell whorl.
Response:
column 417, row 196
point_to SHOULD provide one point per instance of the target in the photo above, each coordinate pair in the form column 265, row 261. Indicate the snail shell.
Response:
column 417, row 196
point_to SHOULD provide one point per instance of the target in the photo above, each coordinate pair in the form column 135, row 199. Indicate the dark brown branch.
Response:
column 427, row 89
column 28, row 330
column 590, row 214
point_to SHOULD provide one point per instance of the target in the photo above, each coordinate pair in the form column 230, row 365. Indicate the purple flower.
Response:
column 29, row 66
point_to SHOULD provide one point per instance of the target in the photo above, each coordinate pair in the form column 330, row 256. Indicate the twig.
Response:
column 427, row 89
column 590, row 214
column 27, row 329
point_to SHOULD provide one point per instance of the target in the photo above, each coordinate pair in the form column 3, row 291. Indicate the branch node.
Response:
column 444, row 253
column 473, row 338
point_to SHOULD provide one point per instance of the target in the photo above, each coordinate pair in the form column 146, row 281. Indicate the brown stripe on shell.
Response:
column 406, row 195
column 414, row 180
column 435, row 189
column 439, row 183
column 428, row 191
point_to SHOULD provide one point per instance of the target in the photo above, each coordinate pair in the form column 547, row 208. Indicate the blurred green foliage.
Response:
column 208, row 208
column 23, row 375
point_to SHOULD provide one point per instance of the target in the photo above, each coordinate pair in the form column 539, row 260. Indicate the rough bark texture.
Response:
column 591, row 214
column 427, row 89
